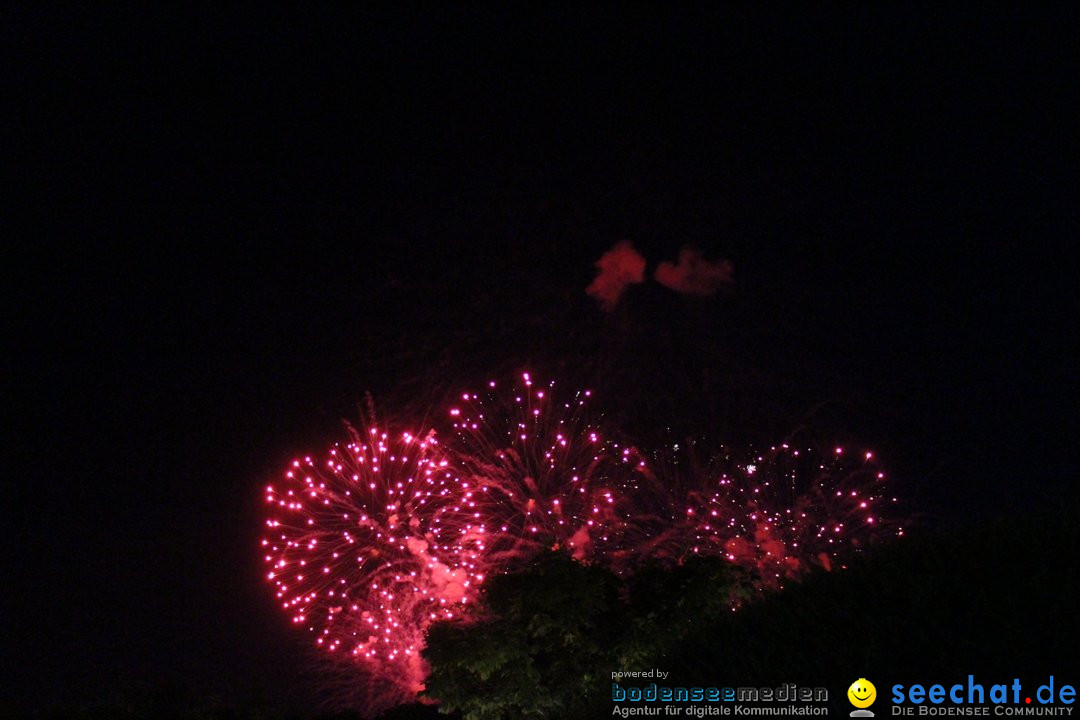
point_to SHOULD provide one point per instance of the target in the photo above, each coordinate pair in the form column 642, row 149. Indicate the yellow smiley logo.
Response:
column 862, row 693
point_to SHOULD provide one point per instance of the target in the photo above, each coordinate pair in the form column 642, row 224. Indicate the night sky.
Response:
column 232, row 225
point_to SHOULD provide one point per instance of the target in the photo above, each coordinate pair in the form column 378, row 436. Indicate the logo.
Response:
column 862, row 694
column 975, row 698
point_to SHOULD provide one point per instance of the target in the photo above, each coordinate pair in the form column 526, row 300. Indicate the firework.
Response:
column 777, row 513
column 542, row 474
column 358, row 557
column 393, row 531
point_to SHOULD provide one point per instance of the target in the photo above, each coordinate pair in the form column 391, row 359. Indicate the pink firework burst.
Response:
column 388, row 533
column 358, row 556
column 777, row 513
column 542, row 474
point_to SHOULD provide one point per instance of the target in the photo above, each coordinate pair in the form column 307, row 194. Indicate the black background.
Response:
column 229, row 225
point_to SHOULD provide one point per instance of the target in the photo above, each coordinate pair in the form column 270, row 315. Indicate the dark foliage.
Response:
column 938, row 605
column 552, row 633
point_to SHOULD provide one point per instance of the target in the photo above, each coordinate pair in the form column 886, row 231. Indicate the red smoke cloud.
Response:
column 619, row 267
column 694, row 275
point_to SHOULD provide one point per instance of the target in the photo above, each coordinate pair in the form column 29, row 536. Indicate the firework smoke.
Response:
column 619, row 268
column 694, row 275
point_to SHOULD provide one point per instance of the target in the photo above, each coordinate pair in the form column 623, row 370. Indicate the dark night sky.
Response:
column 233, row 225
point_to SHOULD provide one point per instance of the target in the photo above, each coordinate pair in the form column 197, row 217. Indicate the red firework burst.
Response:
column 542, row 474
column 359, row 558
column 777, row 513
column 390, row 532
